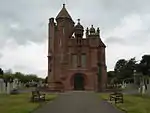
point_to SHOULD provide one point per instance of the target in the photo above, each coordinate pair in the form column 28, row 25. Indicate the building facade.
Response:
column 75, row 62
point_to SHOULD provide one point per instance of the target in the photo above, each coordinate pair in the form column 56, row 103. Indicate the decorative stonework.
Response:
column 72, row 42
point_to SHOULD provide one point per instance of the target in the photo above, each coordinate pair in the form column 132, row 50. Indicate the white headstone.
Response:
column 15, row 83
column 1, row 85
column 8, row 88
column 4, row 87
column 148, row 89
column 143, row 89
column 139, row 90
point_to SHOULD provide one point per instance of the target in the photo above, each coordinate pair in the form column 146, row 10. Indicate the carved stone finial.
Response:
column 92, row 30
column 78, row 21
column 98, row 30
column 64, row 5
column 87, row 31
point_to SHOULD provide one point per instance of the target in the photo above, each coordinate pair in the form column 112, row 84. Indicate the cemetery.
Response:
column 132, row 103
column 134, row 98
column 8, row 88
column 20, row 103
column 76, row 65
column 12, row 95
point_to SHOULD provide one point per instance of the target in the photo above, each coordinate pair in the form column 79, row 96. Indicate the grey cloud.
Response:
column 1, row 55
column 115, row 40
column 105, row 14
column 138, row 38
column 32, row 17
column 24, row 34
column 20, row 67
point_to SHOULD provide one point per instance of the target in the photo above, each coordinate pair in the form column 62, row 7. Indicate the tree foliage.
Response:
column 1, row 71
column 144, row 65
column 8, row 76
column 125, row 68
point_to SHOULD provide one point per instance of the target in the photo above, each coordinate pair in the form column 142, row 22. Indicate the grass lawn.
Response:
column 133, row 103
column 19, row 103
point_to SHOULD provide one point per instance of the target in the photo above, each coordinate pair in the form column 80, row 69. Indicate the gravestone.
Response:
column 15, row 84
column 130, row 88
column 139, row 90
column 20, row 85
column 4, row 87
column 8, row 88
column 143, row 89
column 1, row 85
column 148, row 88
column 123, row 86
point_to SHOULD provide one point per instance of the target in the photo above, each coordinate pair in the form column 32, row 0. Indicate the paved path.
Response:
column 77, row 102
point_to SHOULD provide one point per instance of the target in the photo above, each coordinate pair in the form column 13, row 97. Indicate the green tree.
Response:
column 125, row 68
column 120, row 69
column 46, row 80
column 1, row 71
column 144, row 65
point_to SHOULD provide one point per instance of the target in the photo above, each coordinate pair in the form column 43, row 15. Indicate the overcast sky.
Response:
column 124, row 25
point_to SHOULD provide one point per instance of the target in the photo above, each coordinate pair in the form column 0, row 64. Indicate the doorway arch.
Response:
column 78, row 81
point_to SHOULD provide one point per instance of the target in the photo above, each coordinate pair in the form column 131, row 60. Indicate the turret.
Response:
column 51, row 40
column 65, row 22
column 87, row 32
column 79, row 30
column 65, row 27
column 92, row 30
column 51, row 35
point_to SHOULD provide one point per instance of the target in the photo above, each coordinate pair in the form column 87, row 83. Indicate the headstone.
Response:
column 123, row 85
column 143, row 89
column 139, row 90
column 15, row 83
column 148, row 88
column 4, row 87
column 19, row 84
column 8, row 88
column 1, row 85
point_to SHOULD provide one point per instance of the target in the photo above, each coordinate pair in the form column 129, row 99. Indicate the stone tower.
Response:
column 74, row 62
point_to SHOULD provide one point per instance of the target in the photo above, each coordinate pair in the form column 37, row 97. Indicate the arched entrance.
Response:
column 78, row 81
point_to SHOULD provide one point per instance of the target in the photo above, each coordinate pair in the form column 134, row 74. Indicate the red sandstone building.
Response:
column 74, row 62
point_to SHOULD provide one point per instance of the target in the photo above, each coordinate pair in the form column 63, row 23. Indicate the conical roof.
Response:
column 63, row 13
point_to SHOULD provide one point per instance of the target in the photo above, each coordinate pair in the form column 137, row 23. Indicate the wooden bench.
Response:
column 117, row 97
column 37, row 96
